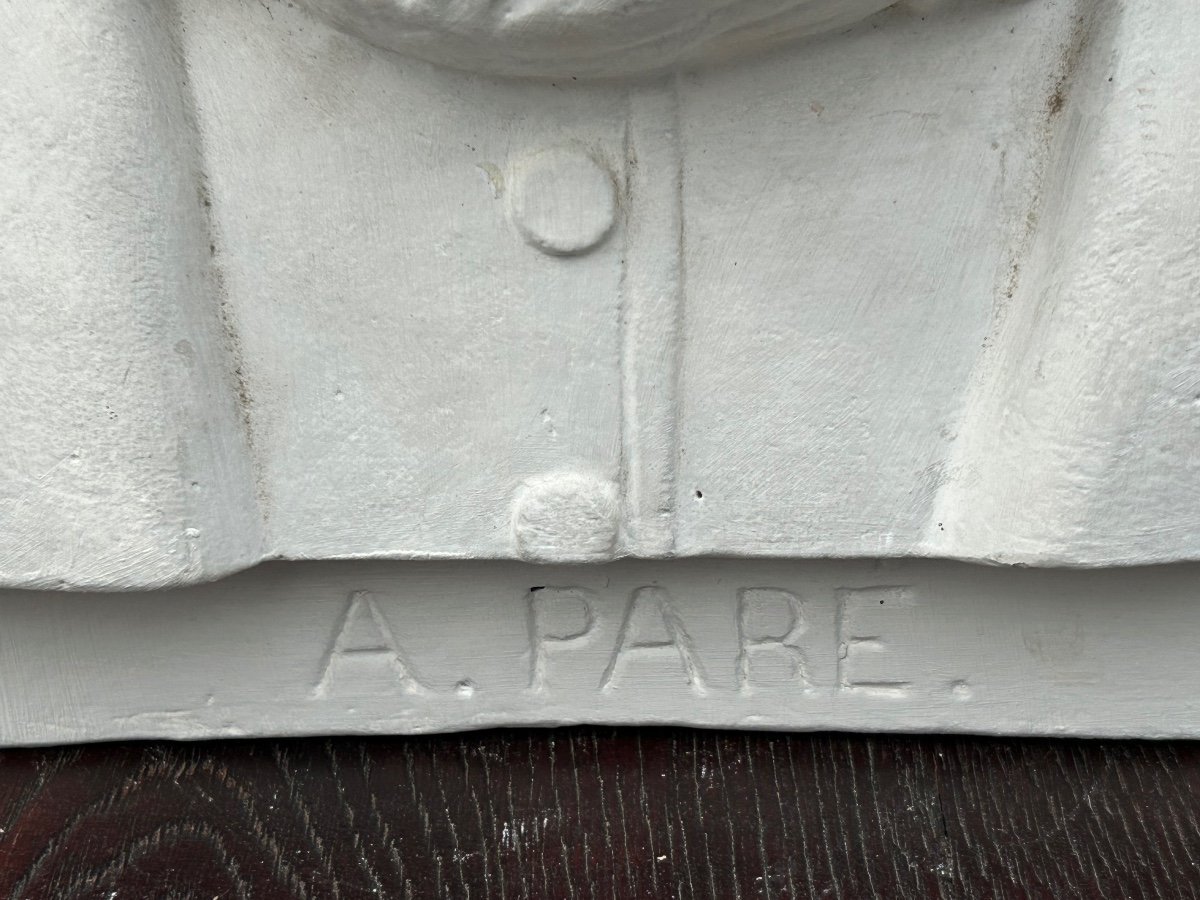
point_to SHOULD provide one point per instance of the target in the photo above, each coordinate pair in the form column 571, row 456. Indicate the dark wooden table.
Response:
column 603, row 813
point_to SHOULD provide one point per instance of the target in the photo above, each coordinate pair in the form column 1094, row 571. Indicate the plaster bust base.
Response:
column 402, row 648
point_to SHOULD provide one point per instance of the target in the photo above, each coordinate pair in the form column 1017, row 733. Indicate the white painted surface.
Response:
column 379, row 647
column 608, row 38
column 563, row 201
column 920, row 287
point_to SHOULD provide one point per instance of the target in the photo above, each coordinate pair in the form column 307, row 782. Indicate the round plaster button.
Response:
column 563, row 201
column 566, row 517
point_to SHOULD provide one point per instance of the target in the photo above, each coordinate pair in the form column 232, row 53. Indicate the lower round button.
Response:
column 566, row 517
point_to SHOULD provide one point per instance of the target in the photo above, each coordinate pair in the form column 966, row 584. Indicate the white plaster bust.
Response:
column 324, row 281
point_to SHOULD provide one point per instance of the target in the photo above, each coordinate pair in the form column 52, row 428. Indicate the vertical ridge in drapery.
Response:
column 653, row 288
column 1070, row 449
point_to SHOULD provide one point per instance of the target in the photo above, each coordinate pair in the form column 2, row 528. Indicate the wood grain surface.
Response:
column 602, row 813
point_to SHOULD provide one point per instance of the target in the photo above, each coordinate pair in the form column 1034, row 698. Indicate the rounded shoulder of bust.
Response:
column 584, row 38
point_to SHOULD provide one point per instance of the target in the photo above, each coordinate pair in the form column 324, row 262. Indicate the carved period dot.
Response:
column 566, row 517
column 562, row 201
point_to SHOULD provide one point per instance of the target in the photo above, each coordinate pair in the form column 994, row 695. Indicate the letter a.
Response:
column 363, row 633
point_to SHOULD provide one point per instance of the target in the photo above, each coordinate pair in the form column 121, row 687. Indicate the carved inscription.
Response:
column 770, row 624
column 652, row 629
column 559, row 618
column 363, row 639
column 865, row 618
column 763, row 641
